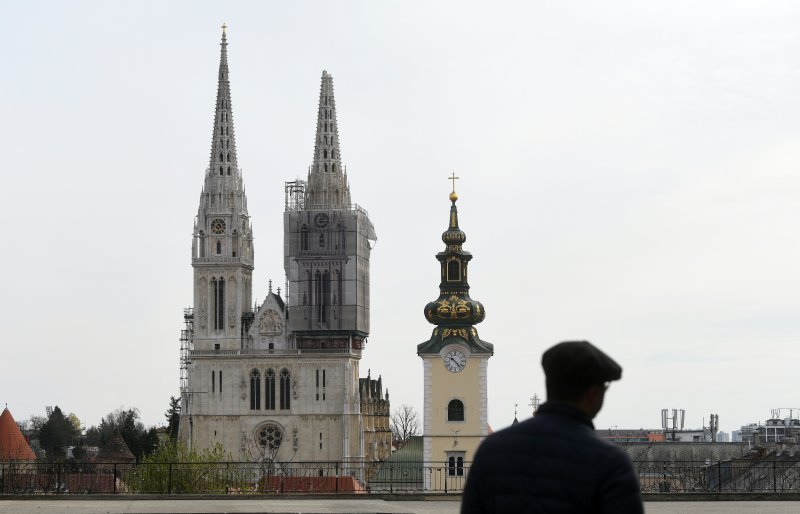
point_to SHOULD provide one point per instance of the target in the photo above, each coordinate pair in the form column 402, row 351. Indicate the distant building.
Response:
column 723, row 437
column 774, row 430
column 641, row 435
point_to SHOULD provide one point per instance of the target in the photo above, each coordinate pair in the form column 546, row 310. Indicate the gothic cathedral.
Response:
column 279, row 381
column 455, row 363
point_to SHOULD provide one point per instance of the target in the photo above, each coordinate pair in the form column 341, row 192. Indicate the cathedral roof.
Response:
column 13, row 445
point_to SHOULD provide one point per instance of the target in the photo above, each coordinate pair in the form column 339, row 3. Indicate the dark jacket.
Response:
column 553, row 462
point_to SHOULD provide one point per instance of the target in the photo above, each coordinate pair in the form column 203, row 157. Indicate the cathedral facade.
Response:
column 280, row 381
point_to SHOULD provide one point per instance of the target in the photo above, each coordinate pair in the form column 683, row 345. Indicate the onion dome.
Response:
column 454, row 313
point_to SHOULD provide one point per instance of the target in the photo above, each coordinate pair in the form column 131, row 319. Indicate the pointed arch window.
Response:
column 220, row 170
column 255, row 390
column 326, row 166
column 220, row 157
column 229, row 170
column 269, row 390
column 333, row 168
column 285, row 389
column 218, row 289
column 333, row 154
column 219, row 248
column 304, row 238
column 455, row 410
column 229, row 157
column 325, row 154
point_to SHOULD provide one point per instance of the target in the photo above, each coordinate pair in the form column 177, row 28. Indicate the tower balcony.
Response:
column 290, row 352
column 222, row 260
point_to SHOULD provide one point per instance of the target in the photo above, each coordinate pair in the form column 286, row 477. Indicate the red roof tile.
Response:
column 12, row 444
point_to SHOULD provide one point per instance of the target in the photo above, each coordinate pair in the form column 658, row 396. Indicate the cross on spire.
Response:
column 224, row 28
column 453, row 178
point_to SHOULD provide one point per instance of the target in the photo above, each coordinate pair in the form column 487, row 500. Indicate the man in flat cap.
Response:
column 554, row 462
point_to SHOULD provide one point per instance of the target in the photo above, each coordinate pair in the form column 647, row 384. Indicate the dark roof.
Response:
column 685, row 452
column 115, row 450
column 403, row 467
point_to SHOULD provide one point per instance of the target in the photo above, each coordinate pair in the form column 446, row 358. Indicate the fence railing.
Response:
column 777, row 475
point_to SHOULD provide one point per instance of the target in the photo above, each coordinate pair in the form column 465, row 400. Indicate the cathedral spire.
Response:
column 223, row 142
column 327, row 184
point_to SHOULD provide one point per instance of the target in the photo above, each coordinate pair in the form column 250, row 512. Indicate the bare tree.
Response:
column 404, row 424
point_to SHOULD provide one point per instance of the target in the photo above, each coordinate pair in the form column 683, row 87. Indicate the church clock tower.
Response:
column 222, row 249
column 455, row 362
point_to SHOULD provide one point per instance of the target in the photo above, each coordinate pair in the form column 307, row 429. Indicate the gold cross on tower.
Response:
column 453, row 178
column 224, row 27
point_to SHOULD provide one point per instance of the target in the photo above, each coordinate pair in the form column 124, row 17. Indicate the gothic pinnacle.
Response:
column 223, row 143
column 327, row 184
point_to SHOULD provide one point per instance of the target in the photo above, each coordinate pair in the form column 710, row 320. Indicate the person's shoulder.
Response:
column 509, row 435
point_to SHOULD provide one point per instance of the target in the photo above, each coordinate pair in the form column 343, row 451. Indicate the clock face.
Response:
column 218, row 226
column 321, row 220
column 455, row 360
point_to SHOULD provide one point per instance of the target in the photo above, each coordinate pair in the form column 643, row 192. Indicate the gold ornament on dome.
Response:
column 460, row 332
column 453, row 308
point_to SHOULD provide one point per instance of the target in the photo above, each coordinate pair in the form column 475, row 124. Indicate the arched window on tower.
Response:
column 255, row 390
column 333, row 154
column 219, row 303
column 219, row 248
column 285, row 391
column 229, row 170
column 220, row 170
column 318, row 295
column 269, row 389
column 220, row 157
column 453, row 270
column 304, row 238
column 325, row 154
column 229, row 157
column 455, row 410
column 333, row 168
column 326, row 167
column 326, row 294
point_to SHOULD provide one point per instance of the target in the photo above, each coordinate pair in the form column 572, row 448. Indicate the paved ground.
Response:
column 357, row 506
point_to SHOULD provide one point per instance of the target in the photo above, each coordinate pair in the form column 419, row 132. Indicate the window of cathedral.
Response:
column 269, row 382
column 269, row 438
column 220, row 381
column 255, row 390
column 304, row 238
column 455, row 410
column 213, row 381
column 285, row 389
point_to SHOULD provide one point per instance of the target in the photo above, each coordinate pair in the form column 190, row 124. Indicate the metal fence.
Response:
column 743, row 475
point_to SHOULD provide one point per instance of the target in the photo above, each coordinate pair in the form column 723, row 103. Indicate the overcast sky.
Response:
column 629, row 175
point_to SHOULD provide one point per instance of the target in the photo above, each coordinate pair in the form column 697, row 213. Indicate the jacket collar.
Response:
column 565, row 409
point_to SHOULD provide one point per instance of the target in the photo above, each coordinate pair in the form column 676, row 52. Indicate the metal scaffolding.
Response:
column 187, row 345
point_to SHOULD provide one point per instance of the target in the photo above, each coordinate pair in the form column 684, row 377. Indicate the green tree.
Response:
column 175, row 468
column 173, row 415
column 57, row 434
column 141, row 441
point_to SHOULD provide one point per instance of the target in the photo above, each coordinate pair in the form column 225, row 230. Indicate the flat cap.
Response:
column 579, row 363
